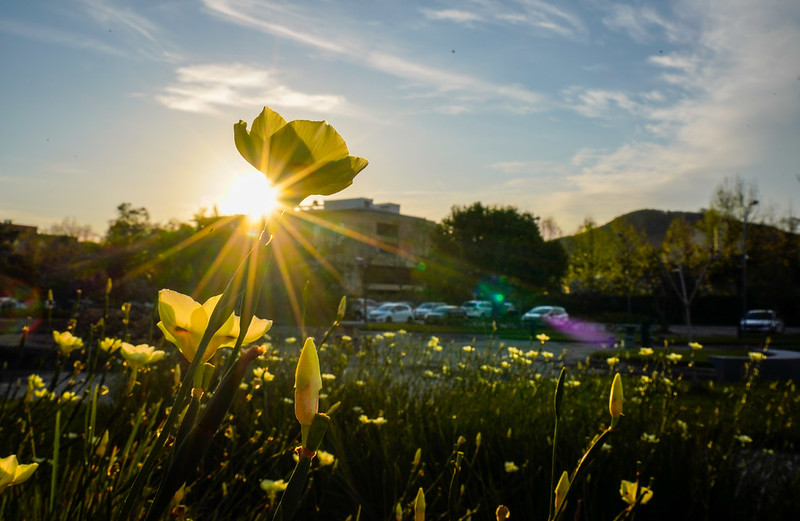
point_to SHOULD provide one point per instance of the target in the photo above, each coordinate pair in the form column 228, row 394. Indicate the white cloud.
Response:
column 451, row 15
column 597, row 103
column 735, row 110
column 205, row 88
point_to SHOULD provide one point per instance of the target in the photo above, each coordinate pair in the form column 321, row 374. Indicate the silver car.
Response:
column 392, row 312
column 545, row 315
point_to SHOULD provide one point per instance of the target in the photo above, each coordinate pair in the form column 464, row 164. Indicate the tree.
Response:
column 589, row 260
column 686, row 255
column 490, row 251
column 69, row 227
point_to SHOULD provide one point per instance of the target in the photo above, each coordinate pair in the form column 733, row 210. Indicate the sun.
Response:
column 249, row 194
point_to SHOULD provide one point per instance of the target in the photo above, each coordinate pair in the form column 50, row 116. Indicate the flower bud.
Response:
column 616, row 399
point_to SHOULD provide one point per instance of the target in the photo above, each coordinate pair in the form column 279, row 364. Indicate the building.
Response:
column 374, row 247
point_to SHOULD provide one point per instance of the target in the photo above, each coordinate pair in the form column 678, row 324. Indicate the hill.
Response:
column 653, row 223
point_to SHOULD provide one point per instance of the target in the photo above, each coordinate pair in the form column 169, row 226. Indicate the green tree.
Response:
column 686, row 255
column 487, row 251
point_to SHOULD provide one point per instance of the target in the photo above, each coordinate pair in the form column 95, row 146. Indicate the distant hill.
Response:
column 653, row 223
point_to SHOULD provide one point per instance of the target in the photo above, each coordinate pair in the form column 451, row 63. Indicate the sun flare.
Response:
column 249, row 194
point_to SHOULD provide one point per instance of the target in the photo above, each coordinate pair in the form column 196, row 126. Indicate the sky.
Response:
column 565, row 109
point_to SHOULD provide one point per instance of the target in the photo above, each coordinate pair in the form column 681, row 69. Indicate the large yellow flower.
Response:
column 299, row 158
column 184, row 321
column 12, row 473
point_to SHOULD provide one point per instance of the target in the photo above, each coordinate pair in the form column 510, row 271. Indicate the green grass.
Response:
column 440, row 402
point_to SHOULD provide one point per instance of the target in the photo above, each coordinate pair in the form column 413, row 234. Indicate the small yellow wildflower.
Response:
column 541, row 337
column 510, row 466
column 650, row 438
column 645, row 351
column 695, row 345
column 110, row 345
column 140, row 355
column 67, row 342
column 630, row 491
column 272, row 487
column 744, row 439
column 612, row 361
column 756, row 356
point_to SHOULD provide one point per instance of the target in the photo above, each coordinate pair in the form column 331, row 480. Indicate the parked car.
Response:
column 545, row 315
column 392, row 312
column 421, row 311
column 445, row 314
column 355, row 308
column 477, row 308
column 760, row 321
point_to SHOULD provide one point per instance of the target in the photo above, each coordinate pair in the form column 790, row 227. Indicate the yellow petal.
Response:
column 24, row 472
column 175, row 309
column 616, row 399
column 307, row 384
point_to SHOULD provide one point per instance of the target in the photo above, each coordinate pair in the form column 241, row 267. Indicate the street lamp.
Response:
column 744, row 254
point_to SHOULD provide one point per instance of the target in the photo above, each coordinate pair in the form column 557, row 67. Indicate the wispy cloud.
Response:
column 451, row 15
column 315, row 31
column 539, row 16
column 56, row 36
column 733, row 106
column 206, row 88
column 643, row 24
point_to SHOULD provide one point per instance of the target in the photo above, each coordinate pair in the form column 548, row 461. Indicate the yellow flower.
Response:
column 12, row 473
column 630, row 491
column 744, row 439
column 184, row 321
column 674, row 357
column 67, row 342
column 110, row 345
column 263, row 373
column 272, row 487
column 616, row 398
column 307, row 384
column 612, row 361
column 645, row 351
column 649, row 438
column 510, row 466
column 755, row 356
column 140, row 355
column 561, row 489
column 541, row 337
column 69, row 396
column 325, row 458
column 299, row 158
column 695, row 345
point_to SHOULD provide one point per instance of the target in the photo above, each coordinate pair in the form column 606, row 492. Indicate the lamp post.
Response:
column 747, row 211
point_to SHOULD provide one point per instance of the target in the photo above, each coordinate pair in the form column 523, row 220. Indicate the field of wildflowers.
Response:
column 216, row 416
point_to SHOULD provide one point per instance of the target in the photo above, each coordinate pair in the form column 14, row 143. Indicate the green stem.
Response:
column 56, row 446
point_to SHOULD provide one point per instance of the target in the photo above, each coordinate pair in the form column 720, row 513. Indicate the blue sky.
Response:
column 565, row 109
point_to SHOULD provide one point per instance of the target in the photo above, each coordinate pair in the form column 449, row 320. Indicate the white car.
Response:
column 421, row 311
column 392, row 312
column 545, row 315
column 477, row 308
column 760, row 321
